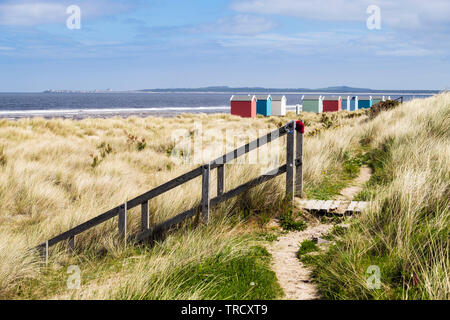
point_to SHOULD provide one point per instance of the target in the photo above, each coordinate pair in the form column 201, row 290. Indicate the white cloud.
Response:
column 403, row 14
column 26, row 14
column 241, row 24
column 29, row 13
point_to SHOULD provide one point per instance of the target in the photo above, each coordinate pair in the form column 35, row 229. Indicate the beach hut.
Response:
column 346, row 103
column 332, row 104
column 365, row 102
column 278, row 105
column 312, row 104
column 244, row 106
column 353, row 103
column 377, row 99
column 264, row 105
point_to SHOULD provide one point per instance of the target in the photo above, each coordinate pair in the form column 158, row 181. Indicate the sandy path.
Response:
column 293, row 276
column 351, row 191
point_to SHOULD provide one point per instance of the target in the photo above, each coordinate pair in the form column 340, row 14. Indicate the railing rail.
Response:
column 207, row 203
column 399, row 99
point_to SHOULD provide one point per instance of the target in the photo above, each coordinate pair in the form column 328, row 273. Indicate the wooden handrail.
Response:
column 218, row 163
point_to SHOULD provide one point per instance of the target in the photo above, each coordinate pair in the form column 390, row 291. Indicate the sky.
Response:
column 140, row 44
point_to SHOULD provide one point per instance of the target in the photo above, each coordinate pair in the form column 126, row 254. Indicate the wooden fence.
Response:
column 294, row 141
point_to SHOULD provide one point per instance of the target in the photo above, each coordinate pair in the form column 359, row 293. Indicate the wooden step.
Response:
column 330, row 206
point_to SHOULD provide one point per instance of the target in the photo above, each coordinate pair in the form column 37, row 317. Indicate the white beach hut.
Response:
column 278, row 105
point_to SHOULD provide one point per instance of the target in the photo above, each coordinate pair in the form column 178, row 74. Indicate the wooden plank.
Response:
column 166, row 225
column 123, row 222
column 327, row 205
column 230, row 156
column 310, row 204
column 164, row 187
column 205, row 193
column 299, row 165
column 318, row 205
column 335, row 205
column 83, row 227
column 290, row 165
column 244, row 187
column 220, row 179
column 145, row 221
column 351, row 207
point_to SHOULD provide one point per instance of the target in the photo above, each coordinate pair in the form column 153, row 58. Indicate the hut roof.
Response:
column 278, row 98
column 263, row 97
column 242, row 98
column 365, row 98
column 332, row 98
column 311, row 97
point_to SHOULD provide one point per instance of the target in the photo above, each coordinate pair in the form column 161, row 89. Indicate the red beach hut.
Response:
column 332, row 104
column 244, row 106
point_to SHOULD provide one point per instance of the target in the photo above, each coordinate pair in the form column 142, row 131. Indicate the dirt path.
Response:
column 351, row 191
column 293, row 276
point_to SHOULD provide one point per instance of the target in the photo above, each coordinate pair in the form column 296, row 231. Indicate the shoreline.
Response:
column 109, row 113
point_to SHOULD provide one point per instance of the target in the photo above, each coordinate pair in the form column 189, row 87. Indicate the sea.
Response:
column 83, row 105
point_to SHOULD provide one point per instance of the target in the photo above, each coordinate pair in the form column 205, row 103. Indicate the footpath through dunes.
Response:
column 293, row 276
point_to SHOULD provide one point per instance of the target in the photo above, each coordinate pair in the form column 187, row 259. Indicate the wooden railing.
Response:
column 399, row 99
column 146, row 231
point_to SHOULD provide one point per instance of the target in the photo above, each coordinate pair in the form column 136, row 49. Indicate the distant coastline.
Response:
column 256, row 90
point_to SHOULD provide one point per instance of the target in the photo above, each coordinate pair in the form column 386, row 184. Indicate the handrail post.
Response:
column 205, row 192
column 220, row 179
column 123, row 222
column 44, row 252
column 290, row 161
column 71, row 244
column 299, row 165
column 145, row 221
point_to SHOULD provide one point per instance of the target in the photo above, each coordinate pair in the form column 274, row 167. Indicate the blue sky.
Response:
column 137, row 44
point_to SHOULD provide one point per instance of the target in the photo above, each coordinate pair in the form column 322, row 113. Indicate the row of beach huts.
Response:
column 275, row 105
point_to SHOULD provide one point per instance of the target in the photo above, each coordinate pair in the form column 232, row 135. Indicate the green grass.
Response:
column 224, row 275
column 333, row 181
column 289, row 222
column 246, row 277
column 377, row 159
column 307, row 246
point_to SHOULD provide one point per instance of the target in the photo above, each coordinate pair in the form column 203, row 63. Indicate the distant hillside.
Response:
column 339, row 89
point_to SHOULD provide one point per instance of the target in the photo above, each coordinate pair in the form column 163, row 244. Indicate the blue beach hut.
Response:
column 365, row 103
column 264, row 105
column 353, row 103
column 346, row 103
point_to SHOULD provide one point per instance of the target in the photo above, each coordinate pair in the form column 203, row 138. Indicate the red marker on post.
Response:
column 300, row 126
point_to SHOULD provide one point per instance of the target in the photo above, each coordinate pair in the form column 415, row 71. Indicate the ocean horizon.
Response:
column 17, row 105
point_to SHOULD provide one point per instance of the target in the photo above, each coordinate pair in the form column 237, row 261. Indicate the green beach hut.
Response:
column 312, row 104
column 377, row 99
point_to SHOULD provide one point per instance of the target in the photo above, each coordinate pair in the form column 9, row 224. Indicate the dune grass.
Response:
column 56, row 174
column 405, row 233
